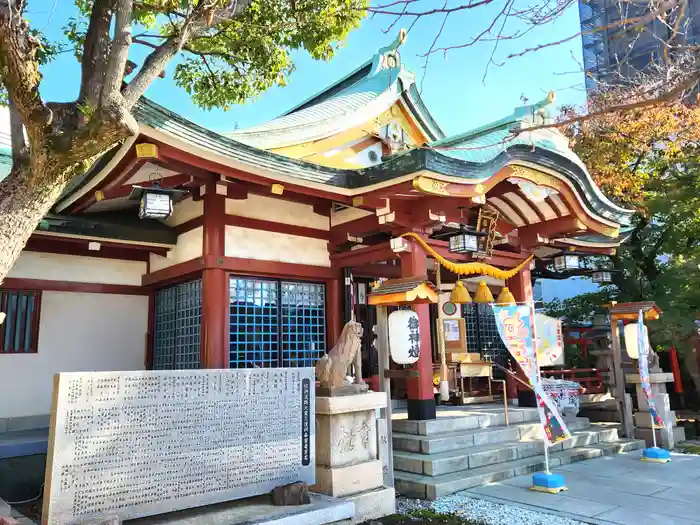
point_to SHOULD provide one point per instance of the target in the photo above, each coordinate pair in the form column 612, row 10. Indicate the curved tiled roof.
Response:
column 351, row 107
column 355, row 99
column 487, row 143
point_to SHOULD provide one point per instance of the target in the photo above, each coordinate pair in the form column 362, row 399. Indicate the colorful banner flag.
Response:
column 549, row 341
column 515, row 325
column 643, row 365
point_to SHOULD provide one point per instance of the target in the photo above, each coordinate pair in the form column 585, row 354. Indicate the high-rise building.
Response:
column 615, row 48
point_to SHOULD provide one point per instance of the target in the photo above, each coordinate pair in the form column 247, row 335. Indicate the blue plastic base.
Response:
column 550, row 483
column 656, row 455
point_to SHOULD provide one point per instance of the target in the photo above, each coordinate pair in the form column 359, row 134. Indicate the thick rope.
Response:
column 441, row 328
column 472, row 268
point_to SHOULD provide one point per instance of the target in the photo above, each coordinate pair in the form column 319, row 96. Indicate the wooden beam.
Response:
column 75, row 246
column 295, row 191
column 173, row 181
column 500, row 258
column 563, row 225
column 277, row 269
column 532, row 205
column 123, row 171
column 277, row 227
column 12, row 283
column 361, row 256
column 377, row 270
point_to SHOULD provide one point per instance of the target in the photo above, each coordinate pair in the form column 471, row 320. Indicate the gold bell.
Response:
column 483, row 294
column 460, row 294
column 505, row 297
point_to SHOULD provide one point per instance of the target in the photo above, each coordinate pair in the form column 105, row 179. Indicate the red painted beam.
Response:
column 361, row 256
column 173, row 181
column 11, row 283
column 278, row 227
column 561, row 226
column 77, row 246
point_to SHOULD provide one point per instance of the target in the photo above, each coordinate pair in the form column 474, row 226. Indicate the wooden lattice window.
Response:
column 19, row 333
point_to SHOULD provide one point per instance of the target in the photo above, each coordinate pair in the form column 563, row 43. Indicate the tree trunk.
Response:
column 26, row 196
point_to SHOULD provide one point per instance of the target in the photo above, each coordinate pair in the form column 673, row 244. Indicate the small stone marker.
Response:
column 292, row 494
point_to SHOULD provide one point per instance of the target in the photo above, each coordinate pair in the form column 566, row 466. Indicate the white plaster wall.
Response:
column 189, row 245
column 277, row 210
column 184, row 211
column 272, row 246
column 77, row 332
column 75, row 268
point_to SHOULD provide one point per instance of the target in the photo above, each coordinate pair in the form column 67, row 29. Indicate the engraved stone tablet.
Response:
column 133, row 444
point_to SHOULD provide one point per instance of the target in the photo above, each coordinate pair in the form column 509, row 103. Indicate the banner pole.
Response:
column 653, row 430
column 546, row 458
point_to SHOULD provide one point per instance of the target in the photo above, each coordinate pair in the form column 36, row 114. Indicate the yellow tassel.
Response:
column 460, row 294
column 483, row 294
column 505, row 297
column 473, row 268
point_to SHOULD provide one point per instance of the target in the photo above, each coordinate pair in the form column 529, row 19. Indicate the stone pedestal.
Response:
column 348, row 464
column 642, row 419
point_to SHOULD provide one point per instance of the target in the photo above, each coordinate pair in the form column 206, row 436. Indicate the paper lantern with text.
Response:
column 631, row 345
column 404, row 337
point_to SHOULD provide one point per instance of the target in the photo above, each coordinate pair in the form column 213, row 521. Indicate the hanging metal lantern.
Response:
column 155, row 202
column 404, row 336
column 602, row 277
column 567, row 261
column 463, row 242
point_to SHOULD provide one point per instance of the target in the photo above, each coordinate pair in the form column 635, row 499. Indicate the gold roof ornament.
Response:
column 505, row 297
column 460, row 294
column 483, row 294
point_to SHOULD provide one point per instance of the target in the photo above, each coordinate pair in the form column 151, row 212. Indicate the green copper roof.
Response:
column 360, row 96
column 500, row 138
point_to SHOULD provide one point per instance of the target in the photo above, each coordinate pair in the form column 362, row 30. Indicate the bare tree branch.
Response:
column 19, row 70
column 119, row 52
column 202, row 17
column 688, row 84
column 96, row 52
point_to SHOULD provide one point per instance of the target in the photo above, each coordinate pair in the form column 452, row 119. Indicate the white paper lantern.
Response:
column 631, row 340
column 404, row 337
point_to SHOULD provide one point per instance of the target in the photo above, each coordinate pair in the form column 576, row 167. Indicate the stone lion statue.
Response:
column 332, row 367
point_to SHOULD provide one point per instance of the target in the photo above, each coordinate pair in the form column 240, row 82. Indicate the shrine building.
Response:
column 249, row 240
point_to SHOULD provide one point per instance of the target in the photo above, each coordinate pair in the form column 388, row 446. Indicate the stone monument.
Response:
column 348, row 462
column 134, row 444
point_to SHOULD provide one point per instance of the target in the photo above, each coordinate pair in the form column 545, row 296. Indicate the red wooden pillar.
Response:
column 215, row 285
column 334, row 309
column 421, row 400
column 520, row 285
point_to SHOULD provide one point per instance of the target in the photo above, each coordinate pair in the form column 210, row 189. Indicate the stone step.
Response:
column 481, row 456
column 461, row 439
column 432, row 487
column 470, row 421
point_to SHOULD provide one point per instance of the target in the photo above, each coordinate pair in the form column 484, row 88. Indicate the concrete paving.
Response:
column 620, row 490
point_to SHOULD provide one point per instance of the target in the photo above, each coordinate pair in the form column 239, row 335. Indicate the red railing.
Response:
column 590, row 379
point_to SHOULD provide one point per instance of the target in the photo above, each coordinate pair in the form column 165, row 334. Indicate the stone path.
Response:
column 620, row 490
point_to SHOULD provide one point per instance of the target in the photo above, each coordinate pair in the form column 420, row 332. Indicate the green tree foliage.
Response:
column 224, row 52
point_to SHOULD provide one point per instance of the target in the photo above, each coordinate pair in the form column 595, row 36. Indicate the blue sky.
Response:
column 452, row 87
